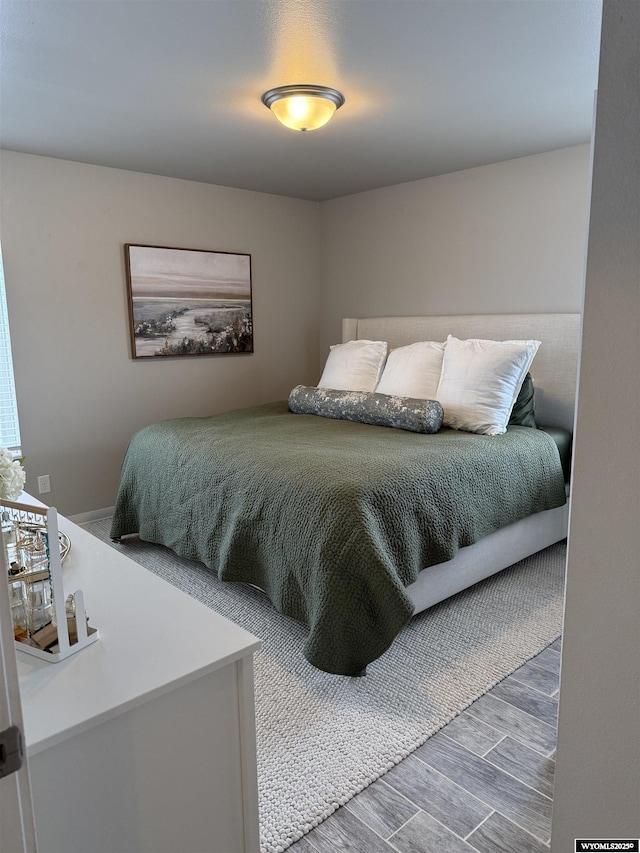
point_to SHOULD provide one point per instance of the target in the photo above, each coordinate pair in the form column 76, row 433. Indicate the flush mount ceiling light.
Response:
column 303, row 107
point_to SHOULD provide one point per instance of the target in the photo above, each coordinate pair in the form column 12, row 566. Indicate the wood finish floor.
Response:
column 482, row 784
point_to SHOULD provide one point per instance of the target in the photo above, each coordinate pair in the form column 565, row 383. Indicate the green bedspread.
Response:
column 331, row 518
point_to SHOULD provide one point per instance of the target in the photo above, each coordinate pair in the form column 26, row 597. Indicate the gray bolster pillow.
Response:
column 367, row 407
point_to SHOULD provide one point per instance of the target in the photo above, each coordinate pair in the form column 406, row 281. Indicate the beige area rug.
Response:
column 323, row 738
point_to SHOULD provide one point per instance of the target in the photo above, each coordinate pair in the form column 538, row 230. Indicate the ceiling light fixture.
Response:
column 303, row 107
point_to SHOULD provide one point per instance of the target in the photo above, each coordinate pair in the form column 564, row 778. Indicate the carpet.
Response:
column 323, row 738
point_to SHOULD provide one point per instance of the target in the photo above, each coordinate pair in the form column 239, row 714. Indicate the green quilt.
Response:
column 333, row 519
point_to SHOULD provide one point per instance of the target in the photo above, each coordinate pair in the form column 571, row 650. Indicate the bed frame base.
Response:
column 490, row 555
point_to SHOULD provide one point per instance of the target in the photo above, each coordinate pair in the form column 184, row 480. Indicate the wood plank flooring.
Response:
column 482, row 784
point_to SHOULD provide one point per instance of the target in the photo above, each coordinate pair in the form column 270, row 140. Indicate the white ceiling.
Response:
column 173, row 87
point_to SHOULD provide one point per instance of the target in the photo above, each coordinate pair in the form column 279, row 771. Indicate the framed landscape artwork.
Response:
column 187, row 302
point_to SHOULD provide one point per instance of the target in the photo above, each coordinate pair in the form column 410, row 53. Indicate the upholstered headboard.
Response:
column 554, row 369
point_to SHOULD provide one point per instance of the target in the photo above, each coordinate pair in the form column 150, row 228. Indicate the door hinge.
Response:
column 11, row 751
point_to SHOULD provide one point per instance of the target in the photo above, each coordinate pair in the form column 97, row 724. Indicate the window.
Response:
column 9, row 427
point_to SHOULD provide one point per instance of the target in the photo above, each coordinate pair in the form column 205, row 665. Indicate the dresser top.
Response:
column 153, row 638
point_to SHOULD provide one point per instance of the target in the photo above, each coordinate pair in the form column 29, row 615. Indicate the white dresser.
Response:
column 143, row 742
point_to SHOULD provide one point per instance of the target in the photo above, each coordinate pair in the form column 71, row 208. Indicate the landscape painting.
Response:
column 187, row 302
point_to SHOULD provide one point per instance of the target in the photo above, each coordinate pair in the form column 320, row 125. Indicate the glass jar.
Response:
column 37, row 579
column 18, row 603
column 10, row 538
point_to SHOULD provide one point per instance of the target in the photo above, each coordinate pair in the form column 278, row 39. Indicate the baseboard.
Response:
column 94, row 515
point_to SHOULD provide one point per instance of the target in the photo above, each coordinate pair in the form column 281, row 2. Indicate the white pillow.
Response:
column 413, row 371
column 354, row 366
column 480, row 382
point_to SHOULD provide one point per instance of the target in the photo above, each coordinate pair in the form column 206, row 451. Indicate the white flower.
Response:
column 12, row 476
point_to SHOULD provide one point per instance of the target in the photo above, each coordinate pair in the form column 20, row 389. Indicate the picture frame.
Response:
column 188, row 302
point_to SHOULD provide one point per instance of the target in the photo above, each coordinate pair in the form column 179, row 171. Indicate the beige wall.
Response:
column 501, row 238
column 597, row 791
column 80, row 395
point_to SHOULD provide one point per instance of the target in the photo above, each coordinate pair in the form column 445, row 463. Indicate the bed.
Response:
column 350, row 527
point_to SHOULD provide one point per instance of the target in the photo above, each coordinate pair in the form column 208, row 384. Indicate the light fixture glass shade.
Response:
column 303, row 107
